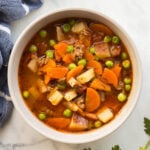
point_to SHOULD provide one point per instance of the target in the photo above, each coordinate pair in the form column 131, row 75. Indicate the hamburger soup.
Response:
column 75, row 75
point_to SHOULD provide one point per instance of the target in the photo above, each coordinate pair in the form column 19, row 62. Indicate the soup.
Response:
column 75, row 75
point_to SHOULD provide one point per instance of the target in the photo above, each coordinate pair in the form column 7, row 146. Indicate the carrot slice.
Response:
column 110, row 77
column 58, row 123
column 60, row 50
column 100, row 27
column 57, row 72
column 51, row 63
column 88, row 56
column 74, row 72
column 116, row 69
column 99, row 85
column 92, row 101
column 96, row 65
column 68, row 58
column 47, row 78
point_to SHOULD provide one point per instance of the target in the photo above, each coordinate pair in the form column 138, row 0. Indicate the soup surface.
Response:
column 75, row 75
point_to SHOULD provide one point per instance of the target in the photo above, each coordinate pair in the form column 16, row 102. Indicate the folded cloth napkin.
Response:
column 10, row 10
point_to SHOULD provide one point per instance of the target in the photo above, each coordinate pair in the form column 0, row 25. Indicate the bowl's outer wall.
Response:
column 15, row 91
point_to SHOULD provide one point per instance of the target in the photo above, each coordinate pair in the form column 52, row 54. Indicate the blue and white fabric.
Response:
column 10, row 10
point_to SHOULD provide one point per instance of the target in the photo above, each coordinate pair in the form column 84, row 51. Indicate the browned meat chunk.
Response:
column 102, row 50
column 115, row 50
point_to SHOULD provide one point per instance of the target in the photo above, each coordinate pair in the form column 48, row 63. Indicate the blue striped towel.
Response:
column 10, row 10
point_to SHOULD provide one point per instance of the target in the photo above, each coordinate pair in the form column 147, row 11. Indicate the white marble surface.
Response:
column 134, row 17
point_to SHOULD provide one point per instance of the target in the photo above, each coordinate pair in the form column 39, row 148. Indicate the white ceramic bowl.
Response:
column 13, row 66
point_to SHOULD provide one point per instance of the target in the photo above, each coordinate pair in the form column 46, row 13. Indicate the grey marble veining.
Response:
column 134, row 17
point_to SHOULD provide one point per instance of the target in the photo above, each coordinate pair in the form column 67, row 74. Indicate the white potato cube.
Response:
column 105, row 115
column 72, row 82
column 33, row 65
column 86, row 76
column 69, row 95
column 60, row 34
column 78, row 27
column 55, row 97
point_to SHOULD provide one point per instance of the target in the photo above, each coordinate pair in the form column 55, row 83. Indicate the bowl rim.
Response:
column 67, row 137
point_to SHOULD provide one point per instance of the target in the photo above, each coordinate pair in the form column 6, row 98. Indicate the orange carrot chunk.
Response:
column 96, row 65
column 99, row 85
column 74, row 72
column 60, row 50
column 58, row 123
column 57, row 72
column 68, row 58
column 92, row 101
column 51, row 63
column 88, row 56
column 116, row 69
column 110, row 77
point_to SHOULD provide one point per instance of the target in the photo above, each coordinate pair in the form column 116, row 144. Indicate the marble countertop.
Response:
column 134, row 17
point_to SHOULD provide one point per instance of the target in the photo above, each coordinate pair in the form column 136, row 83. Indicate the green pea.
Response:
column 52, row 42
column 82, row 62
column 25, row 94
column 33, row 48
column 42, row 116
column 66, row 27
column 122, row 97
column 71, row 66
column 49, row 54
column 126, row 64
column 109, row 63
column 61, row 86
column 127, row 87
column 43, row 33
column 72, row 22
column 107, row 39
column 115, row 39
column 70, row 48
column 67, row 113
column 124, row 55
column 92, row 50
column 127, row 80
column 97, row 124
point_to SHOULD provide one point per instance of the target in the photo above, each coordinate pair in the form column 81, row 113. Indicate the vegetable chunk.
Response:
column 105, row 115
column 110, row 77
column 99, row 85
column 86, row 76
column 78, row 27
column 92, row 101
column 59, row 123
column 69, row 95
column 55, row 97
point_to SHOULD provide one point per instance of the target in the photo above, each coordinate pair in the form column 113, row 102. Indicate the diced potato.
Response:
column 60, row 34
column 69, row 95
column 33, row 65
column 86, row 76
column 34, row 92
column 78, row 27
column 105, row 115
column 41, row 86
column 72, row 82
column 55, row 97
column 78, row 123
